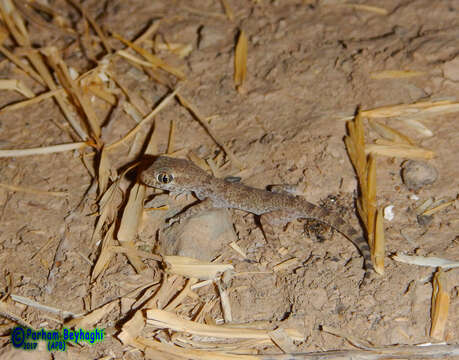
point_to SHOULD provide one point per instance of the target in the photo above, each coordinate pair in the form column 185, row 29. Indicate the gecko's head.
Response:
column 176, row 175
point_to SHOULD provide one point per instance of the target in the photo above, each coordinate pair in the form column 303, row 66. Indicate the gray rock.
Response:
column 417, row 174
column 202, row 236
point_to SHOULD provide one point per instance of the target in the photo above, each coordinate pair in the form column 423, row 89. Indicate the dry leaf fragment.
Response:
column 130, row 221
column 426, row 261
column 132, row 328
column 440, row 305
column 240, row 60
column 132, row 214
column 105, row 254
column 379, row 243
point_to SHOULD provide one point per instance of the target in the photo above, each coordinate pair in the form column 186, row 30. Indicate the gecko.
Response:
column 274, row 208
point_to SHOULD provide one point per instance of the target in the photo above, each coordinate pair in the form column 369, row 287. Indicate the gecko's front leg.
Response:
column 204, row 205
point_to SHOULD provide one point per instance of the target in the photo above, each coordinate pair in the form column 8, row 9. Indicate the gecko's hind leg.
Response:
column 288, row 189
column 271, row 220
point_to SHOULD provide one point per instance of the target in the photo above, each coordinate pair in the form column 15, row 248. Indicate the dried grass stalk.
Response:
column 283, row 341
column 33, row 191
column 31, row 101
column 286, row 264
column 240, row 60
column 18, row 30
column 41, row 307
column 434, row 209
column 158, row 350
column 104, row 172
column 105, row 254
column 228, row 11
column 373, row 9
column 129, row 225
column 94, row 25
column 238, row 249
column 74, row 89
column 424, row 107
column 418, row 126
column 144, row 121
column 379, row 243
column 154, row 60
column 42, row 150
column 182, row 295
column 170, row 140
column 132, row 214
column 134, row 59
column 389, row 133
column 440, row 305
column 365, row 168
column 193, row 268
column 16, row 85
column 8, row 311
column 139, row 253
column 370, row 200
column 101, row 93
column 225, row 302
column 395, row 74
column 90, row 319
column 166, row 320
column 21, row 65
column 108, row 206
column 399, row 150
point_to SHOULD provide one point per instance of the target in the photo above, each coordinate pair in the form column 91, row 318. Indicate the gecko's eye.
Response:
column 164, row 178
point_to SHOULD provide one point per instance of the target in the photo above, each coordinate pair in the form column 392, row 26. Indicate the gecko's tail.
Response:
column 362, row 245
column 337, row 222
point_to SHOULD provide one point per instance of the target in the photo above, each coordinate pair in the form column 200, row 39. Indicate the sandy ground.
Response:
column 309, row 66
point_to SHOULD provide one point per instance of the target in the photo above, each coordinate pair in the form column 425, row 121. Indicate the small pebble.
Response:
column 424, row 220
column 417, row 174
column 389, row 213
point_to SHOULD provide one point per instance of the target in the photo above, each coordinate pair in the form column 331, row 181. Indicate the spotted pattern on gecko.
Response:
column 275, row 209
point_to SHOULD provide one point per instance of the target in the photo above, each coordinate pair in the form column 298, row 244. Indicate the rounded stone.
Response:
column 417, row 174
column 201, row 236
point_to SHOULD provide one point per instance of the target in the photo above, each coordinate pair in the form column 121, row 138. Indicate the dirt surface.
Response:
column 309, row 66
